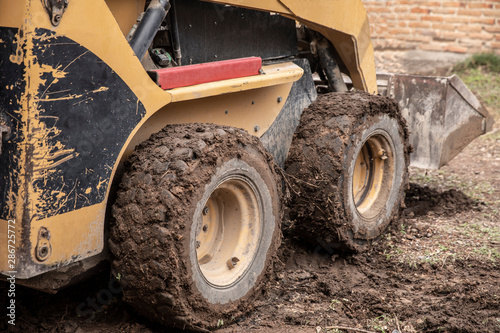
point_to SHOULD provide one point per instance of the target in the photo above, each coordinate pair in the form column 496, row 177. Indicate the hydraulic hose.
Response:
column 149, row 25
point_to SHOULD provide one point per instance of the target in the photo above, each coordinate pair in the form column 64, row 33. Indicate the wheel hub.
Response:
column 373, row 175
column 230, row 232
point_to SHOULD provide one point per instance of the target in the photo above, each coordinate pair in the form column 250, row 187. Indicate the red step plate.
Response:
column 183, row 76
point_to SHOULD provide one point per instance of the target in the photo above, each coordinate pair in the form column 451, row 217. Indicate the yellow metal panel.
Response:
column 274, row 75
column 343, row 22
column 78, row 234
column 74, row 236
column 245, row 109
column 11, row 13
column 91, row 24
column 126, row 12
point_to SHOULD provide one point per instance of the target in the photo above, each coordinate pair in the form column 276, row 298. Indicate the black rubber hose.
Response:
column 149, row 25
column 330, row 66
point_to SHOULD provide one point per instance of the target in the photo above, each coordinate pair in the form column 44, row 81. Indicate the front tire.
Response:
column 197, row 223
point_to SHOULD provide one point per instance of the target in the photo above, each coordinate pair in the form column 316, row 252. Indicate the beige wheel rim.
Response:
column 373, row 175
column 230, row 232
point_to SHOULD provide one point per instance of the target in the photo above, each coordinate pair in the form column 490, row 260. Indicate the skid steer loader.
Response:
column 156, row 134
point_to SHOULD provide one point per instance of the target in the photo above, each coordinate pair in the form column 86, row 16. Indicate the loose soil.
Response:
column 435, row 270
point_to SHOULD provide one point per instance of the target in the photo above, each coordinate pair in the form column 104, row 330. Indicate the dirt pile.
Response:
column 422, row 199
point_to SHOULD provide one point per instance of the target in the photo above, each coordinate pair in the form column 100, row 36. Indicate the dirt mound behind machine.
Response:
column 154, row 134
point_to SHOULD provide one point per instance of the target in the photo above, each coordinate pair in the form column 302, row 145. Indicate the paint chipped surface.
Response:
column 76, row 111
column 70, row 116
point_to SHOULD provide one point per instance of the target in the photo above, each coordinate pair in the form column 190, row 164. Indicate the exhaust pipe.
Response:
column 146, row 30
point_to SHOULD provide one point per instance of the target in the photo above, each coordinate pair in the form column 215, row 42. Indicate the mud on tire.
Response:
column 347, row 169
column 196, row 224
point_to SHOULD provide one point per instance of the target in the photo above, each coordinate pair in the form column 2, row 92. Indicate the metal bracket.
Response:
column 56, row 9
column 43, row 248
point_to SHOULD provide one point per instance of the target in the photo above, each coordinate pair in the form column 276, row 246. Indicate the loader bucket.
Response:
column 443, row 115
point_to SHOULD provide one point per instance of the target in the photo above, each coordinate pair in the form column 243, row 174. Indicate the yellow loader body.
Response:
column 60, row 214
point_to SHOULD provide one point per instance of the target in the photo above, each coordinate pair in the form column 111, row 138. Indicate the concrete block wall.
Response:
column 469, row 26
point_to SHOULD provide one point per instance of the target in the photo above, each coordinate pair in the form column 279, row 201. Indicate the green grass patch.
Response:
column 488, row 61
column 481, row 73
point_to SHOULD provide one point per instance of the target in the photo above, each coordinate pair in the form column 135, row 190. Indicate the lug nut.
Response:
column 205, row 211
column 231, row 263
column 382, row 154
column 205, row 228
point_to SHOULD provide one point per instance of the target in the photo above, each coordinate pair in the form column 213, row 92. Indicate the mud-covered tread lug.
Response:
column 317, row 166
column 163, row 177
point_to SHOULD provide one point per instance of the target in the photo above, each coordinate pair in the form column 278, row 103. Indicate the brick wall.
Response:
column 469, row 26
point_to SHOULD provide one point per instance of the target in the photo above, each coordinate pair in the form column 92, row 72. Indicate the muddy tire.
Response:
column 196, row 224
column 347, row 169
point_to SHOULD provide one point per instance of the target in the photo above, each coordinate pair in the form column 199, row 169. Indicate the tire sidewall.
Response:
column 363, row 228
column 255, row 170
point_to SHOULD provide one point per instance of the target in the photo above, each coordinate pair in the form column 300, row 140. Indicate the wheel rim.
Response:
column 230, row 232
column 373, row 175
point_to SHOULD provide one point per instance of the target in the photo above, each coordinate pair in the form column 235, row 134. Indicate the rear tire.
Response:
column 197, row 223
column 374, row 176
column 348, row 169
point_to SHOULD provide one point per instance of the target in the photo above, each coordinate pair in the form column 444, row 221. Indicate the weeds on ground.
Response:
column 489, row 61
column 387, row 323
column 451, row 241
column 481, row 74
column 443, row 180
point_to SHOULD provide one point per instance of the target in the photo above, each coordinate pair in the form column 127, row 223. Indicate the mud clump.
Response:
column 421, row 200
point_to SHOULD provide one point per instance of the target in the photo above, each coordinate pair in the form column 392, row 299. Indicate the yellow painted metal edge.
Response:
column 274, row 75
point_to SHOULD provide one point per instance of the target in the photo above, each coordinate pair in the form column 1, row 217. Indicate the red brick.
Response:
column 479, row 5
column 453, row 4
column 456, row 49
column 431, row 4
column 415, row 38
column 419, row 24
column 471, row 42
column 482, row 35
column 420, row 10
column 492, row 13
column 469, row 12
column 453, row 34
column 442, row 26
column 483, row 20
column 469, row 28
column 495, row 28
column 432, row 47
column 432, row 18
column 456, row 19
column 495, row 45
column 400, row 31
column 443, row 11
column 380, row 10
column 432, row 33
column 389, row 17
